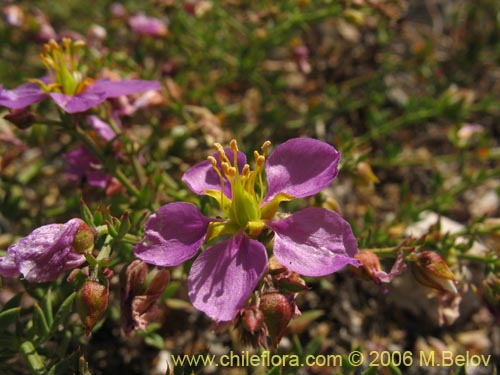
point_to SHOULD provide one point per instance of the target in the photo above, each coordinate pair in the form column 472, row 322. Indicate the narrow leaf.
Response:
column 40, row 324
column 8, row 317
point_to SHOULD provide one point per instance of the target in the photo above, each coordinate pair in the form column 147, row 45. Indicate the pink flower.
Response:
column 44, row 254
column 67, row 86
column 311, row 242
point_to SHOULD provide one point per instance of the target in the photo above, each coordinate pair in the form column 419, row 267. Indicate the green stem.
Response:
column 35, row 362
column 478, row 258
column 387, row 252
column 129, row 238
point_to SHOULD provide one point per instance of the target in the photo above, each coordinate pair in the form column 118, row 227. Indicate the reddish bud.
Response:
column 432, row 271
column 91, row 303
column 278, row 310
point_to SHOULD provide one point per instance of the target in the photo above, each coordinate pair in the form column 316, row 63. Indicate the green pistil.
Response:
column 243, row 211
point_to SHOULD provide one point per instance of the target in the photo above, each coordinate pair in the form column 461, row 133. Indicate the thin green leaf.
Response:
column 13, row 302
column 8, row 317
column 47, row 307
column 63, row 312
column 40, row 324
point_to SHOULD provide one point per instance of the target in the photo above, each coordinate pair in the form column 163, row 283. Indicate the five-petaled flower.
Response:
column 311, row 242
column 46, row 252
column 67, row 85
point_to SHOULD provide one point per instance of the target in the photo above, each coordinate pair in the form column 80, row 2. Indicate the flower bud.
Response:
column 432, row 271
column 83, row 243
column 91, row 303
column 278, row 310
column 21, row 118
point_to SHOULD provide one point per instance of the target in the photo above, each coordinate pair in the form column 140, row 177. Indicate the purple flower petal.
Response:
column 45, row 253
column 114, row 89
column 97, row 178
column 8, row 265
column 172, row 235
column 102, row 128
column 301, row 167
column 314, row 242
column 21, row 96
column 80, row 102
column 81, row 163
column 202, row 176
column 224, row 275
column 99, row 91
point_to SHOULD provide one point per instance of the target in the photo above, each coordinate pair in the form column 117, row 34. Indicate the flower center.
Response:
column 247, row 186
column 62, row 64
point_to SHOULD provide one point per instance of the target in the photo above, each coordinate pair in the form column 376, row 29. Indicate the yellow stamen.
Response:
column 246, row 170
column 212, row 160
column 225, row 169
column 265, row 146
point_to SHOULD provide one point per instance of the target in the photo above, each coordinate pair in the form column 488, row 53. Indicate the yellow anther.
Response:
column 66, row 42
column 212, row 160
column 53, row 46
column 233, row 145
column 219, row 148
column 79, row 44
column 256, row 155
column 225, row 168
column 246, row 170
column 265, row 146
column 260, row 160
column 232, row 171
